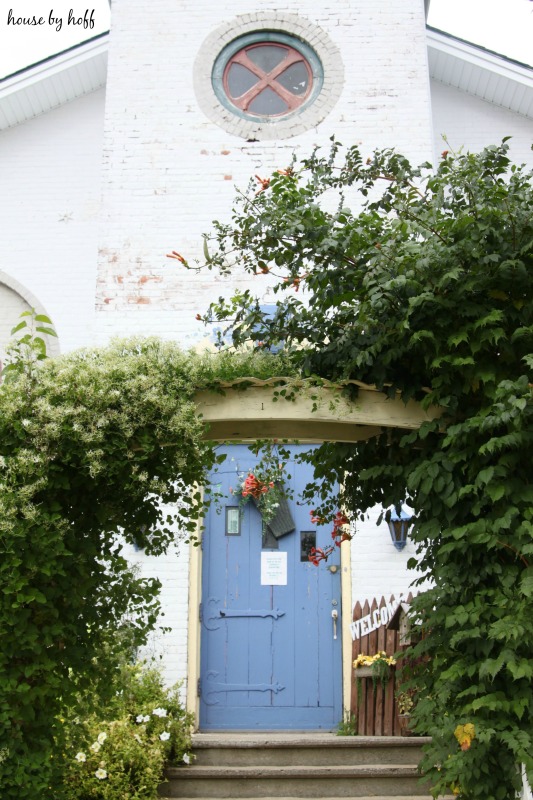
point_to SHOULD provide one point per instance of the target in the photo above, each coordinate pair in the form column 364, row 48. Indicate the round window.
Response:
column 266, row 75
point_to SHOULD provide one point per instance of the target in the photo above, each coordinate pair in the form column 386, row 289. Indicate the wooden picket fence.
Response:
column 375, row 709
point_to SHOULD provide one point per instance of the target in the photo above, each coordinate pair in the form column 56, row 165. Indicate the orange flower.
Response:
column 317, row 554
column 177, row 256
column 254, row 487
column 338, row 535
column 346, row 537
column 340, row 520
column 264, row 184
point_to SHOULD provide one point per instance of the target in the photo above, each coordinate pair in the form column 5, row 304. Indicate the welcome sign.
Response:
column 373, row 621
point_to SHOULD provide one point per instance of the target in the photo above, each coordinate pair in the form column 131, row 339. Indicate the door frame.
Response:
column 194, row 627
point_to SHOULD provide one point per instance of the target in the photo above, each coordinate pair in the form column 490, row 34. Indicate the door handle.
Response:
column 334, row 617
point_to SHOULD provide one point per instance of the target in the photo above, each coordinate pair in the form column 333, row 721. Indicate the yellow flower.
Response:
column 464, row 735
column 367, row 661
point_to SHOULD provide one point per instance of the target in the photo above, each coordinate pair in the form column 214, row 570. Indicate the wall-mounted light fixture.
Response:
column 399, row 526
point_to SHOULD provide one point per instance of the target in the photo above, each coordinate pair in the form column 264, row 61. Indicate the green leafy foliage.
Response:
column 97, row 448
column 28, row 347
column 420, row 281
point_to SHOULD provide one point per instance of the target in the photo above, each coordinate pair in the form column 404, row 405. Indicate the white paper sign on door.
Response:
column 273, row 569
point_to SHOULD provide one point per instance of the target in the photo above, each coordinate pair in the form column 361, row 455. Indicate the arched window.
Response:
column 14, row 300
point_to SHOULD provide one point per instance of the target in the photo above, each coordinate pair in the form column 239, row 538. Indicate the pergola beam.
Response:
column 315, row 414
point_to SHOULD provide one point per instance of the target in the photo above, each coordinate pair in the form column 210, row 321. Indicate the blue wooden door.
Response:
column 270, row 652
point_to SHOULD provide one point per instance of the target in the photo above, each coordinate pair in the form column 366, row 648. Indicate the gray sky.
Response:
column 505, row 26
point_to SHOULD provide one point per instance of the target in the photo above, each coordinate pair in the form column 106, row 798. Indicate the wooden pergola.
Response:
column 314, row 413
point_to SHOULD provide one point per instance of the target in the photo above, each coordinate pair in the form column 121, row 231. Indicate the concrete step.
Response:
column 365, row 780
column 283, row 749
column 302, row 765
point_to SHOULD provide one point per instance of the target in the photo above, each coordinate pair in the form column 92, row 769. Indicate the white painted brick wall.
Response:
column 378, row 568
column 169, row 170
column 49, row 182
column 173, row 571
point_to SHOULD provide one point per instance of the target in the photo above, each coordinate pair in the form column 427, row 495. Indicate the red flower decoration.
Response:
column 255, row 488
column 317, row 554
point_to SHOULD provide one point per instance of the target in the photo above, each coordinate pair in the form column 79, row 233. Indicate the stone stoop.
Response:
column 299, row 765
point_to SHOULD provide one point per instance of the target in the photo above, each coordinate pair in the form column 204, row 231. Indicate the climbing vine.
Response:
column 419, row 280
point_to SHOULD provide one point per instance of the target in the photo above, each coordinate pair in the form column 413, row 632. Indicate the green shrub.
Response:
column 119, row 751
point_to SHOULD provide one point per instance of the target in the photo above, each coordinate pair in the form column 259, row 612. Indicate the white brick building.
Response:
column 120, row 149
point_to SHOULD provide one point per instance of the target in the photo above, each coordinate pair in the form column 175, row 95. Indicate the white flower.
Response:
column 186, row 759
column 159, row 712
column 139, row 718
column 95, row 747
column 100, row 774
column 102, row 737
column 164, row 736
column 146, row 718
column 81, row 757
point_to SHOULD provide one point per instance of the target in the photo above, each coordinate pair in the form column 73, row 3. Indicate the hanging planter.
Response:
column 363, row 672
column 266, row 487
column 378, row 667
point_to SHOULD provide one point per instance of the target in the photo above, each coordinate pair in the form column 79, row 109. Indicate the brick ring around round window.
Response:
column 275, row 75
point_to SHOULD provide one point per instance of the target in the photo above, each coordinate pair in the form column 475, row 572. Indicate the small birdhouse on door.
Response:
column 401, row 622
